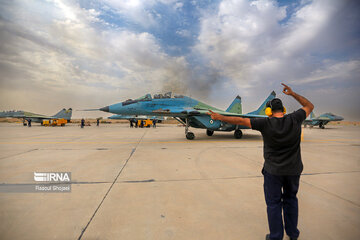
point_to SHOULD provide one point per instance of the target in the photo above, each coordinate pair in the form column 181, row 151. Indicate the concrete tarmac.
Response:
column 154, row 184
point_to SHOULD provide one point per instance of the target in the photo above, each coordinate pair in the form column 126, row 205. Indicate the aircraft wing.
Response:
column 31, row 115
column 175, row 111
column 233, row 114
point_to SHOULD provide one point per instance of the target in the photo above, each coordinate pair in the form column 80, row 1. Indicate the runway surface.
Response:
column 154, row 184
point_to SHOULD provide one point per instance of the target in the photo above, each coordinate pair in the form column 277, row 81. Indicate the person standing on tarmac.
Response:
column 97, row 122
column 29, row 122
column 82, row 123
column 283, row 165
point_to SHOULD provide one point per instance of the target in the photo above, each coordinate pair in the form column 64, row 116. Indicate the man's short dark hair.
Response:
column 276, row 105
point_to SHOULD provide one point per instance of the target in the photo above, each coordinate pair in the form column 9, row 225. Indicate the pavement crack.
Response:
column 332, row 194
column 31, row 150
column 108, row 191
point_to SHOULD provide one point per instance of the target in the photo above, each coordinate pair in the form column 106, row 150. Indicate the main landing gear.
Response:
column 238, row 134
column 189, row 135
column 321, row 125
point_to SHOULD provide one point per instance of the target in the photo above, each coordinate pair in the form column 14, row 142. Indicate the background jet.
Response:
column 65, row 114
column 190, row 112
column 322, row 120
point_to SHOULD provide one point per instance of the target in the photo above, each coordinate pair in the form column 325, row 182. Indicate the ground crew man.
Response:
column 29, row 122
column 82, row 123
column 282, row 167
column 97, row 122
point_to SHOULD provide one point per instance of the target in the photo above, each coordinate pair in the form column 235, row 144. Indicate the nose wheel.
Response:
column 189, row 135
column 238, row 134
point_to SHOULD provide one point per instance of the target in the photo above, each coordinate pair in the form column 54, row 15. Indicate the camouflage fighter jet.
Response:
column 38, row 118
column 188, row 111
column 321, row 120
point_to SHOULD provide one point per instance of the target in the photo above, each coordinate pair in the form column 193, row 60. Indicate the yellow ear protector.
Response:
column 268, row 109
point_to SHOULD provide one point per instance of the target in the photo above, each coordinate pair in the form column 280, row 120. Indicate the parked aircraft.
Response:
column 322, row 120
column 38, row 118
column 190, row 112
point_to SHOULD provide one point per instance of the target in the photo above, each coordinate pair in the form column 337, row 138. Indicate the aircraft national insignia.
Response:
column 211, row 121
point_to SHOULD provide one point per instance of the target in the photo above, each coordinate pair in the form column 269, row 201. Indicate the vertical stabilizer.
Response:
column 65, row 114
column 235, row 106
column 261, row 109
column 312, row 115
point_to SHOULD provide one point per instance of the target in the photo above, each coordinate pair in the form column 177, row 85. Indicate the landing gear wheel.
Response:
column 209, row 132
column 321, row 126
column 190, row 136
column 238, row 134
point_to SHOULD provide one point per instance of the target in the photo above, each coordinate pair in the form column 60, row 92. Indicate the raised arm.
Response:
column 232, row 120
column 307, row 105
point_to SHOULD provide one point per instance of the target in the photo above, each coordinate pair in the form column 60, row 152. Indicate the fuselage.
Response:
column 182, row 108
column 156, row 107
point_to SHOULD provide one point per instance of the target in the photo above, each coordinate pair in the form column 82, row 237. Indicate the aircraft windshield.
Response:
column 147, row 97
column 144, row 98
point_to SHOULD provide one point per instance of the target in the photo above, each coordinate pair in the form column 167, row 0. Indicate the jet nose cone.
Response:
column 105, row 109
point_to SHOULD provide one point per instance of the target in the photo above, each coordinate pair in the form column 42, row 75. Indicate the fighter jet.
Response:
column 188, row 111
column 322, row 120
column 38, row 118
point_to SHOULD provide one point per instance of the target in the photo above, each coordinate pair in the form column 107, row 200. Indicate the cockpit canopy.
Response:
column 148, row 97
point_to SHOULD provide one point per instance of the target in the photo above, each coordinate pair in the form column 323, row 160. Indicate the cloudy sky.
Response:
column 89, row 54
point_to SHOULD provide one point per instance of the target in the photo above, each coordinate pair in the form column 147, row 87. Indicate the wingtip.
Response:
column 273, row 93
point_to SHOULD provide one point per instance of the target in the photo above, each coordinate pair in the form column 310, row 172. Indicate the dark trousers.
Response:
column 280, row 195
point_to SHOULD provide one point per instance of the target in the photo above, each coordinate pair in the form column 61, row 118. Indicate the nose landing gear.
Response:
column 238, row 134
column 189, row 135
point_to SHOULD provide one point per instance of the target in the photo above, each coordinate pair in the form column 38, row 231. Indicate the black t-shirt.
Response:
column 281, row 142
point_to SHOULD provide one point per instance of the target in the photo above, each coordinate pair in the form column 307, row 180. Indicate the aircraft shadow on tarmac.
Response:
column 227, row 136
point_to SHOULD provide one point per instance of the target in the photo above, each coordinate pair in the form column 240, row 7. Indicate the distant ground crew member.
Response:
column 154, row 123
column 282, row 168
column 82, row 123
column 29, row 122
column 141, row 123
column 97, row 122
column 131, row 123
